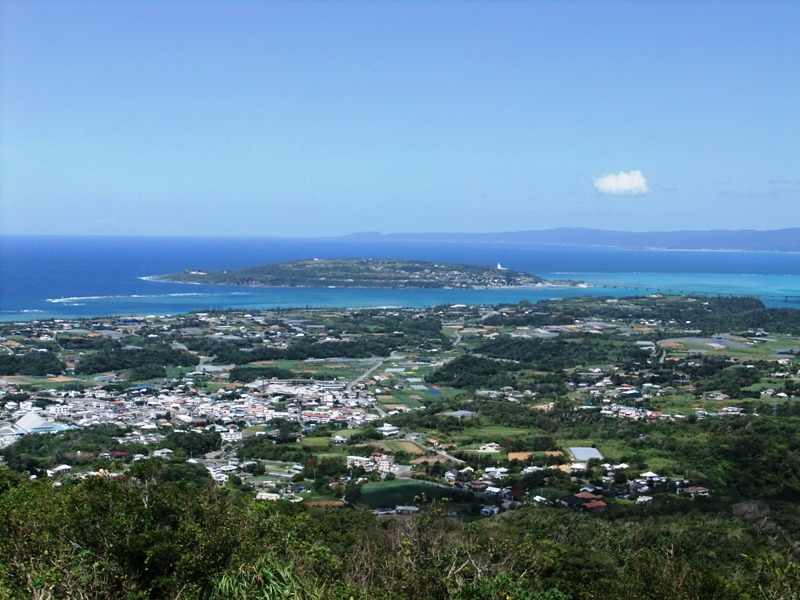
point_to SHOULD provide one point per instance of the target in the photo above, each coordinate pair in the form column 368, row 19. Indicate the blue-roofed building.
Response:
column 585, row 454
column 31, row 423
column 9, row 433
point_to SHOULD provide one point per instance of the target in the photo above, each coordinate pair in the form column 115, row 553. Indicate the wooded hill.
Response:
column 148, row 537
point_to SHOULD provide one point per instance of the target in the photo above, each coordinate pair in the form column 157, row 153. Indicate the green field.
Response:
column 751, row 350
column 404, row 397
column 397, row 446
column 490, row 433
column 447, row 392
column 399, row 491
column 316, row 442
column 178, row 372
column 346, row 433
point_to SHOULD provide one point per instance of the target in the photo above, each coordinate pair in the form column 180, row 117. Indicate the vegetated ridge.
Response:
column 370, row 273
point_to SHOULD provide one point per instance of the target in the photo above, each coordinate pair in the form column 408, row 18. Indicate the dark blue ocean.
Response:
column 63, row 277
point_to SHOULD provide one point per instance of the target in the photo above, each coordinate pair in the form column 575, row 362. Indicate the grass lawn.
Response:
column 681, row 403
column 471, row 341
column 313, row 497
column 613, row 450
column 213, row 387
column 346, row 433
column 399, row 491
column 767, row 383
column 447, row 392
column 255, row 429
column 492, row 433
column 178, row 372
column 315, row 442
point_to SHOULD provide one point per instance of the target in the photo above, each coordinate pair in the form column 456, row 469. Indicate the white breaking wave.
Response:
column 74, row 299
column 155, row 278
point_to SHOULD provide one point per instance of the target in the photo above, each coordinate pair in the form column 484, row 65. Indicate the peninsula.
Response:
column 366, row 273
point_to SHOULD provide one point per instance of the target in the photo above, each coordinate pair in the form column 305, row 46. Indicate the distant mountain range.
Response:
column 778, row 240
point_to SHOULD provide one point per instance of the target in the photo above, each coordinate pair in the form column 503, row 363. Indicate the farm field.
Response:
column 409, row 447
column 344, row 370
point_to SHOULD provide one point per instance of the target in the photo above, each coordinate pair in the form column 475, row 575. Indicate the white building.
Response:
column 387, row 429
column 384, row 463
column 364, row 462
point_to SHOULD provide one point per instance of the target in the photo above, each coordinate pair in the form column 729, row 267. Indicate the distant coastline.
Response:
column 64, row 277
column 717, row 240
column 785, row 241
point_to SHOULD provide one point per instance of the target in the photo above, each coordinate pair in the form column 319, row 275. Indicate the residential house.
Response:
column 490, row 447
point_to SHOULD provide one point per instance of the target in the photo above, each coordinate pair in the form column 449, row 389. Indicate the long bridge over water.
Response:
column 788, row 298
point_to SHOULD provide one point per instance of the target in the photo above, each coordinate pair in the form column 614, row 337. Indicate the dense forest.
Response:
column 148, row 537
column 562, row 353
column 235, row 352
column 32, row 363
column 113, row 356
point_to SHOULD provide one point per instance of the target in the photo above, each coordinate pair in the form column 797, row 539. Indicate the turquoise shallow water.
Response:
column 710, row 283
column 82, row 277
column 268, row 298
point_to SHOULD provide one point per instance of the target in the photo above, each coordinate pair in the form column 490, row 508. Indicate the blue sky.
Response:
column 325, row 118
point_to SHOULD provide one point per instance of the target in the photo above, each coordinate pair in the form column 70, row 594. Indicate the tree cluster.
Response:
column 147, row 536
column 113, row 356
column 34, row 363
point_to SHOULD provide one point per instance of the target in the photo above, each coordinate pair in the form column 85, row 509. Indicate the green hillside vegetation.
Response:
column 113, row 356
column 176, row 539
column 33, row 363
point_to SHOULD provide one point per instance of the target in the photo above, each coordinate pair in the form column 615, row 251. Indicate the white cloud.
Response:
column 632, row 182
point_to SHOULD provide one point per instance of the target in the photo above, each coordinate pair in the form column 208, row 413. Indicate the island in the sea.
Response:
column 365, row 273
